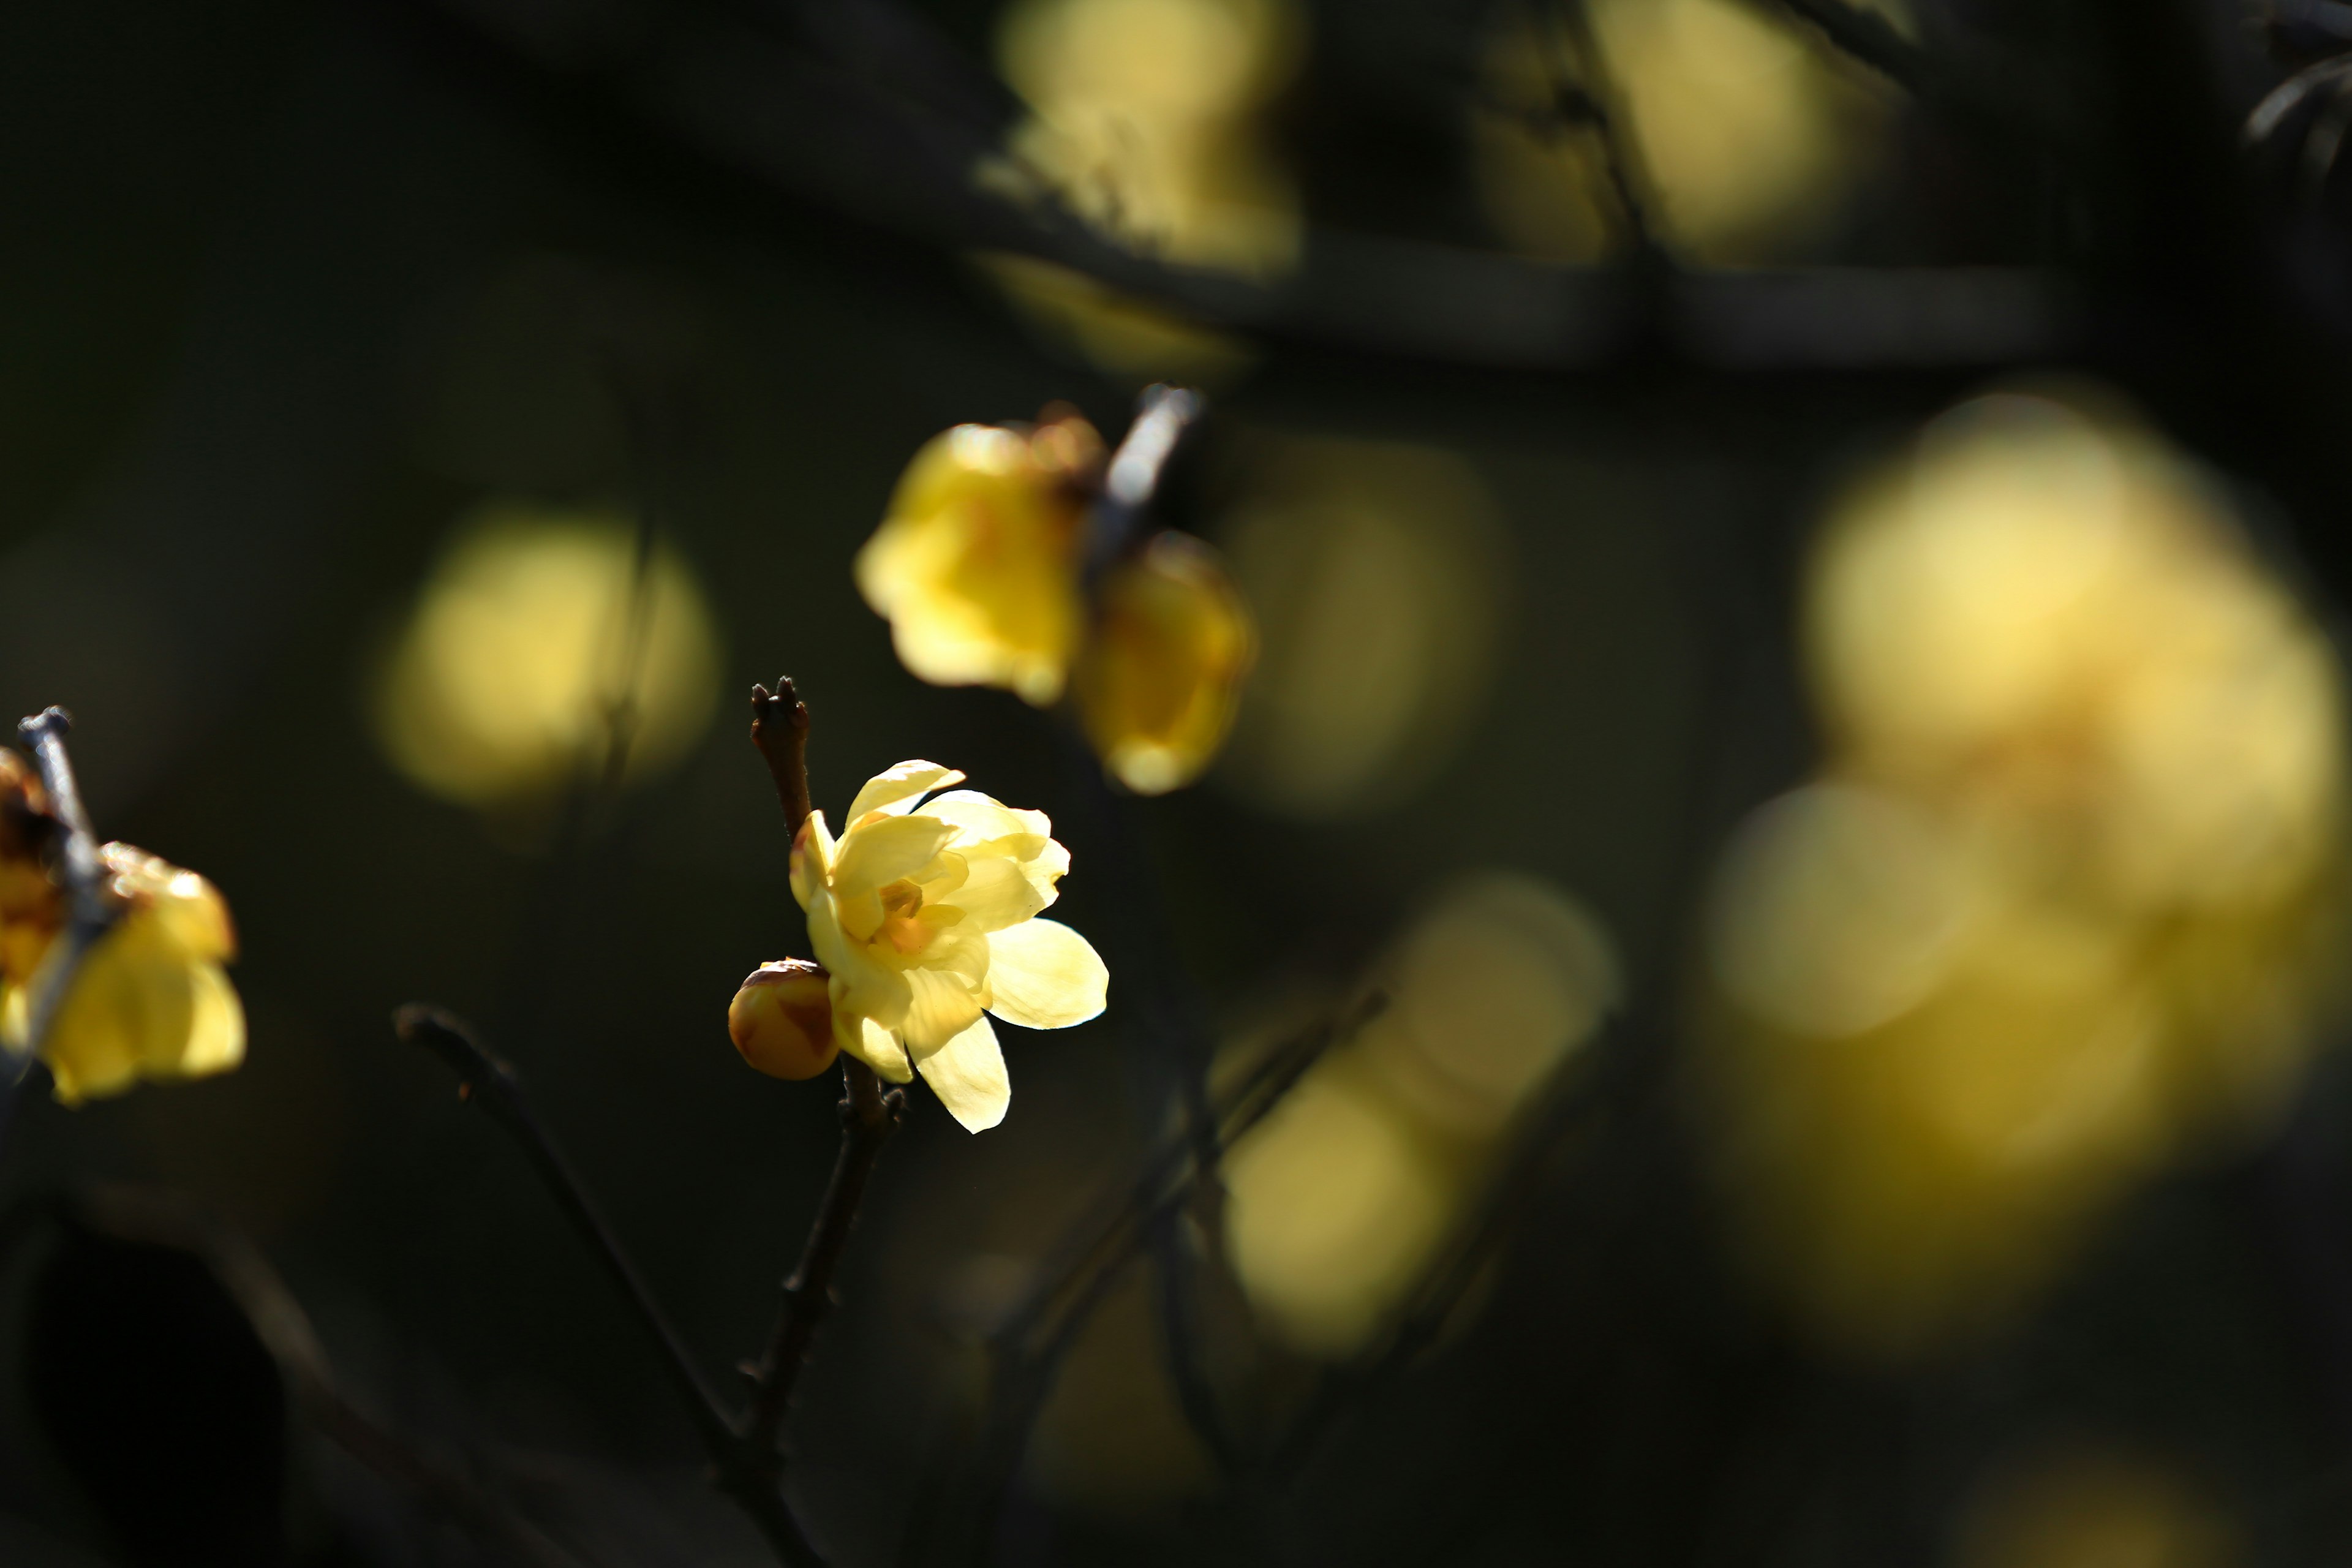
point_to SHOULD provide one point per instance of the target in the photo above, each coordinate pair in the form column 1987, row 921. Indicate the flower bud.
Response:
column 1162, row 678
column 781, row 1020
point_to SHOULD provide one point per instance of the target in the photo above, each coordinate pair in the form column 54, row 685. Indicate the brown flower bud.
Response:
column 782, row 1020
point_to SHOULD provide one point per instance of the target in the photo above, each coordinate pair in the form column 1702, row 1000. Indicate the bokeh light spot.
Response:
column 535, row 641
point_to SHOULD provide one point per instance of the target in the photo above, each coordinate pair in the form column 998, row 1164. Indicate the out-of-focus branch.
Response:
column 868, row 1115
column 1026, row 1348
column 747, row 1470
column 1867, row 37
column 167, row 1219
column 815, row 109
column 489, row 1082
column 88, row 912
column 1547, row 1129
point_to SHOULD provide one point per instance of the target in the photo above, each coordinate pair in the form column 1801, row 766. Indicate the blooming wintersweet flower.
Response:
column 926, row 917
column 1162, row 674
column 149, row 1000
column 976, row 565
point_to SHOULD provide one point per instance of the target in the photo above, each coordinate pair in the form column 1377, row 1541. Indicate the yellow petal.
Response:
column 995, row 893
column 862, row 983
column 988, row 826
column 976, row 566
column 980, row 819
column 812, row 863
column 896, row 790
column 216, row 1028
column 139, row 1004
column 941, row 1005
column 1161, row 681
column 191, row 906
column 872, row 1044
column 968, row 1075
column 880, row 852
column 1043, row 975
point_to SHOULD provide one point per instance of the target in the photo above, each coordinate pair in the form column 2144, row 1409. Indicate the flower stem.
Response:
column 869, row 1114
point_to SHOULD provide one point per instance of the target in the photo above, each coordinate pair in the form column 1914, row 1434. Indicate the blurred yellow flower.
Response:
column 2074, row 1505
column 1146, row 123
column 2060, row 901
column 150, row 998
column 1162, row 673
column 1750, row 137
column 540, row 640
column 926, row 917
column 1342, row 1200
column 782, row 1020
column 976, row 565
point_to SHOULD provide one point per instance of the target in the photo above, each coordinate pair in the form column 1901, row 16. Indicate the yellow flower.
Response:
column 1159, row 680
column 976, row 566
column 150, row 998
column 926, row 917
column 782, row 1020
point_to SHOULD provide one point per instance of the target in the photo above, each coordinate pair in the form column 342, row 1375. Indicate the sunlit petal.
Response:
column 812, row 862
column 941, row 1005
column 896, row 790
column 885, row 849
column 968, row 1075
column 1043, row 975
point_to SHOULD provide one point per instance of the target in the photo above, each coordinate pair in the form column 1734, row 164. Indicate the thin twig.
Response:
column 1868, row 38
column 780, row 724
column 868, row 1115
column 1595, row 102
column 1027, row 1349
column 1173, row 1012
column 88, row 912
column 1577, row 1094
column 747, row 1471
column 169, row 1219
column 487, row 1080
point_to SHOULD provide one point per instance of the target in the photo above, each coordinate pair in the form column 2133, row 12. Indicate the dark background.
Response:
column 284, row 289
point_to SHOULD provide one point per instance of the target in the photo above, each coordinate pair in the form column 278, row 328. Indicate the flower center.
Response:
column 901, row 902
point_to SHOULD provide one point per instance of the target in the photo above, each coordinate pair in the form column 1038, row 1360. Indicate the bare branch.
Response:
column 90, row 913
column 167, row 1219
column 748, row 1471
column 868, row 1117
column 1868, row 38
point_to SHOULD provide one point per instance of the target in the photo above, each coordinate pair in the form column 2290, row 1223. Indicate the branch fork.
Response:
column 746, row 1448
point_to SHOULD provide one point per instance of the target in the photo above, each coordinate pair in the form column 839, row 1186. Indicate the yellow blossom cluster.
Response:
column 149, row 999
column 2054, row 907
column 924, row 916
column 979, row 568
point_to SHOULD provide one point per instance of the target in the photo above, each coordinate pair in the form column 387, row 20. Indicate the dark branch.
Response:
column 284, row 1329
column 748, row 1471
column 868, row 1115
column 1868, row 38
column 89, row 912
column 491, row 1083
column 779, row 722
column 1131, row 480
